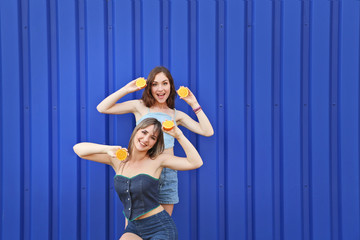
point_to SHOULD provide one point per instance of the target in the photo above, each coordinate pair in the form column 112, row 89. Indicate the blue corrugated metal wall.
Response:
column 279, row 80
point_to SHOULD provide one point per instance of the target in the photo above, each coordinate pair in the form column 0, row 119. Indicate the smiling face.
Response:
column 145, row 138
column 160, row 88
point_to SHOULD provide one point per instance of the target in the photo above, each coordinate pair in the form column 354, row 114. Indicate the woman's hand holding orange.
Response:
column 111, row 151
column 190, row 99
column 132, row 87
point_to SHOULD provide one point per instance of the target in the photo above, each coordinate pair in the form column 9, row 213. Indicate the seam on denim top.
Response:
column 169, row 141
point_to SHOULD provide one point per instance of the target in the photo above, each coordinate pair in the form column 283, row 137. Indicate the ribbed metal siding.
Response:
column 279, row 80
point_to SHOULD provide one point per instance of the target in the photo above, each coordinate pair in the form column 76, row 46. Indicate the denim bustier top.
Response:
column 139, row 194
column 169, row 141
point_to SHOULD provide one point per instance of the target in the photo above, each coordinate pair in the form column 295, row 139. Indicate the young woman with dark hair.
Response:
column 158, row 101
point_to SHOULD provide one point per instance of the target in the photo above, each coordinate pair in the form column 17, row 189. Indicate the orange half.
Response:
column 141, row 82
column 121, row 154
column 168, row 125
column 183, row 91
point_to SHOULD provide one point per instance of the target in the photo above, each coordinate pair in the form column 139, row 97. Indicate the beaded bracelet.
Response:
column 196, row 110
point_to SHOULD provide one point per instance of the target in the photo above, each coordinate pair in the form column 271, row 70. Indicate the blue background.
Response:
column 279, row 80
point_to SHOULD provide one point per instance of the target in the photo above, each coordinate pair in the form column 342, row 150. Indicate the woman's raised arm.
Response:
column 203, row 126
column 192, row 160
column 110, row 106
column 96, row 152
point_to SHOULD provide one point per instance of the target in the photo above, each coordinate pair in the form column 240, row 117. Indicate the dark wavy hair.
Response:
column 148, row 98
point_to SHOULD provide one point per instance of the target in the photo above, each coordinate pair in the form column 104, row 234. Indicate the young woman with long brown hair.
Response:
column 137, row 178
column 158, row 101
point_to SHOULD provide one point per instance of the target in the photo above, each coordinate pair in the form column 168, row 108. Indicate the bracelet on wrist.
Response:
column 196, row 110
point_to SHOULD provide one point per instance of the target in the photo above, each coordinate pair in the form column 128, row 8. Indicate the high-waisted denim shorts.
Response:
column 168, row 187
column 156, row 227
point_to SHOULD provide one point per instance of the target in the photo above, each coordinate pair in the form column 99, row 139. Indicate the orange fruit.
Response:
column 141, row 82
column 183, row 91
column 121, row 154
column 168, row 125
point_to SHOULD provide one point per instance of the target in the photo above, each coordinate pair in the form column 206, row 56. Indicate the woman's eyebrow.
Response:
column 157, row 81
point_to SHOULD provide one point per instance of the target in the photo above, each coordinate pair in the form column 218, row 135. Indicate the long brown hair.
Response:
column 158, row 147
column 148, row 98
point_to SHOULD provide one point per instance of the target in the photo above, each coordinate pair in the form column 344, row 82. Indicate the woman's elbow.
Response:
column 100, row 109
column 198, row 165
column 76, row 149
column 209, row 133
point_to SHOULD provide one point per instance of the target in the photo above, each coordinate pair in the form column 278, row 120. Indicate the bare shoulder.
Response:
column 128, row 106
column 179, row 114
column 141, row 108
column 138, row 103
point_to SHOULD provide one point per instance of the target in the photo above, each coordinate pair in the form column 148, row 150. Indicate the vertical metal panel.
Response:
column 54, row 151
column 69, row 111
column 39, row 120
column 279, row 80
column 138, row 36
column 11, row 121
column 276, row 120
column 1, row 137
column 262, row 120
column 96, row 56
column 165, row 22
column 25, row 117
column 54, row 117
column 319, row 95
column 249, row 24
column 152, row 33
column 305, row 119
column 291, row 120
column 349, row 118
column 235, row 108
column 220, row 106
column 334, row 145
